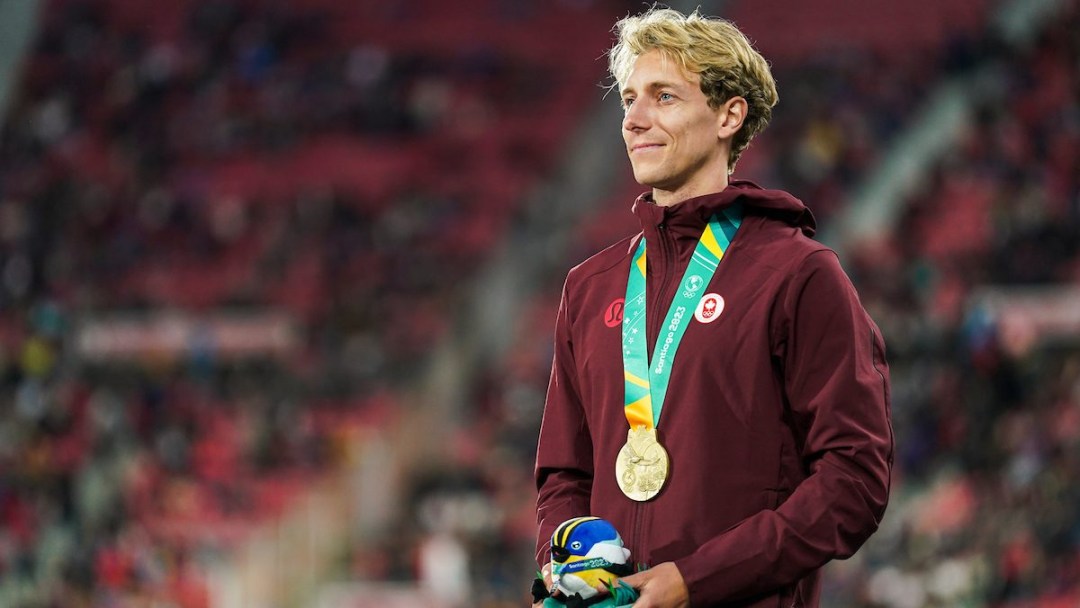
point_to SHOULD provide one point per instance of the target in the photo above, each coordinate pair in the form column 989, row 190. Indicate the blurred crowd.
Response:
column 987, row 419
column 986, row 413
column 352, row 165
column 229, row 155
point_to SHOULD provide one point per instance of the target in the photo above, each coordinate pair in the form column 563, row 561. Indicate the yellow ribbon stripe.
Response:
column 632, row 379
column 708, row 239
column 639, row 413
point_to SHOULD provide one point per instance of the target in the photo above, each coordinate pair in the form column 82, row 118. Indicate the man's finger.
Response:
column 644, row 601
column 636, row 580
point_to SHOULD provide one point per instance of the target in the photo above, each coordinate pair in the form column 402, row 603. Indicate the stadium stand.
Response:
column 340, row 164
column 983, row 410
column 231, row 235
column 986, row 401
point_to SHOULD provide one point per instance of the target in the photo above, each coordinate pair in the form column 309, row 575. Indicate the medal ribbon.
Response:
column 647, row 382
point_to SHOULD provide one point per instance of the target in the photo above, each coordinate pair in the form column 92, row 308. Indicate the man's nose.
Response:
column 636, row 117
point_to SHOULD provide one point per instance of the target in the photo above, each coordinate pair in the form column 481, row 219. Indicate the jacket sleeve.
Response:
column 836, row 382
column 564, row 456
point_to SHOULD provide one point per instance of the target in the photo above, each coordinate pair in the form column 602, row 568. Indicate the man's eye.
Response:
column 626, row 103
column 666, row 97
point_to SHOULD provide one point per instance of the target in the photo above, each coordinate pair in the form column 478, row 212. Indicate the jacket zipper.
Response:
column 658, row 311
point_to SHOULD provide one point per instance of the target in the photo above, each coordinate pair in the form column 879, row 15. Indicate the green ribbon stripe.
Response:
column 650, row 378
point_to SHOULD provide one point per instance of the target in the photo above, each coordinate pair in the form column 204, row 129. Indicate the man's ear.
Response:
column 730, row 117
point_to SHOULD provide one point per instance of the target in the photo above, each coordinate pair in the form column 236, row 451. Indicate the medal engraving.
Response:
column 642, row 465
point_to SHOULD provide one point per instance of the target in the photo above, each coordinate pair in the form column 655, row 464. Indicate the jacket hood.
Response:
column 695, row 212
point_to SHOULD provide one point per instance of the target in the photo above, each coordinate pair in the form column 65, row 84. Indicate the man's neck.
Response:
column 669, row 198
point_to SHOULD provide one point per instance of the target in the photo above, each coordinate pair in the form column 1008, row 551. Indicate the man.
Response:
column 718, row 392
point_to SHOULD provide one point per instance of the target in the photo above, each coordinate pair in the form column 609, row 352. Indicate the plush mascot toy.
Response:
column 587, row 554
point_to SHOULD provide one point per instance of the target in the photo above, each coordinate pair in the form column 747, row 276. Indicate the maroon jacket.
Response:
column 776, row 419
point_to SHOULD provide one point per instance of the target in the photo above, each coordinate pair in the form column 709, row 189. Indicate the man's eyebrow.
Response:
column 652, row 86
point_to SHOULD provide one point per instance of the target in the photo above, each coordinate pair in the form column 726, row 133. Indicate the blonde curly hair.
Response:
column 712, row 48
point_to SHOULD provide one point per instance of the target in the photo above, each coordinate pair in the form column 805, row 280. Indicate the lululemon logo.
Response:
column 613, row 314
column 709, row 308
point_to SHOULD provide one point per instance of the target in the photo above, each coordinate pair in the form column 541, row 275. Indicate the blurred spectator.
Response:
column 352, row 163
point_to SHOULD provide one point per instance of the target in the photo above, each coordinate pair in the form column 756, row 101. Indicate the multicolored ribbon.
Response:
column 647, row 380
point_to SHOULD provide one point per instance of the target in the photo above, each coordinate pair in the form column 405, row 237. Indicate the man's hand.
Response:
column 660, row 587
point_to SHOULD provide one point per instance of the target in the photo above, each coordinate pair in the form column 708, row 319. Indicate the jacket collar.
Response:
column 686, row 220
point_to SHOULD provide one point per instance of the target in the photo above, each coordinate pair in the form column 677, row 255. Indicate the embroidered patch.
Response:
column 709, row 308
column 614, row 313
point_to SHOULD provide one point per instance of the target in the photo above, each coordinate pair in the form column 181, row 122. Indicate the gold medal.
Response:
column 642, row 466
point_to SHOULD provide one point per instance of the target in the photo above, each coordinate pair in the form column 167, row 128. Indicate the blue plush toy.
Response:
column 587, row 554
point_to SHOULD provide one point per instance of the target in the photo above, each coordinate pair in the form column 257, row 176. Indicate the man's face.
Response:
column 670, row 131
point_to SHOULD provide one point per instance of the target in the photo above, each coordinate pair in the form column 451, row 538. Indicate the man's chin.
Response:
column 646, row 178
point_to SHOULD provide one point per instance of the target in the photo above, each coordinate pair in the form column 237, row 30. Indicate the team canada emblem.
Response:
column 709, row 308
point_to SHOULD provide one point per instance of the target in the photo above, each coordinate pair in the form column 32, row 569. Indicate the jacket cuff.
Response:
column 695, row 577
column 706, row 583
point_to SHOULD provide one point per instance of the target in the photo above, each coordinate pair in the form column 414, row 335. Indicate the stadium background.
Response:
column 277, row 282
